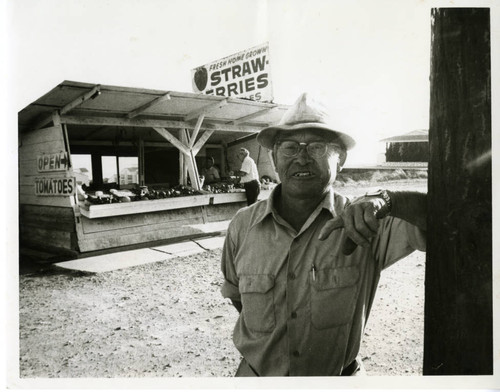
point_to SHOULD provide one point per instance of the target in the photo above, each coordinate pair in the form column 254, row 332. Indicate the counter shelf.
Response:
column 94, row 211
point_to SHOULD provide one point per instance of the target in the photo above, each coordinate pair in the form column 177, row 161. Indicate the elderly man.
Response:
column 302, row 267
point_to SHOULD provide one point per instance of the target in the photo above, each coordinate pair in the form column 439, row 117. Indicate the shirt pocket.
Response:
column 333, row 296
column 258, row 302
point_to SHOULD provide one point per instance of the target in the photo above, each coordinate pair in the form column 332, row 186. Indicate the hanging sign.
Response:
column 55, row 186
column 246, row 74
column 51, row 162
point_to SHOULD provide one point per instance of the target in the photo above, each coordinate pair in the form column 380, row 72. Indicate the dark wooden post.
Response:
column 458, row 333
column 96, row 169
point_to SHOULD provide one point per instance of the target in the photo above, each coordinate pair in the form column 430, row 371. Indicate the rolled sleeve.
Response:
column 416, row 238
column 230, row 285
column 396, row 240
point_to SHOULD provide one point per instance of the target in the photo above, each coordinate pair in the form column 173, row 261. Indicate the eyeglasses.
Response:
column 291, row 148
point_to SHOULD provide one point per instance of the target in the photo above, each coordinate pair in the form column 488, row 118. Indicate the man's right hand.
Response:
column 360, row 219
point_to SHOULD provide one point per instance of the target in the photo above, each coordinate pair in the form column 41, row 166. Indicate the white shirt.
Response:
column 248, row 166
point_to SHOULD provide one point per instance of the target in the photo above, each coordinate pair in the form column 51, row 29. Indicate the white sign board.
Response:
column 57, row 161
column 55, row 186
column 246, row 74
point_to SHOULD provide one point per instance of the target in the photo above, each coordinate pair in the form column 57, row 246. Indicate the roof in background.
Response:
column 421, row 135
column 85, row 104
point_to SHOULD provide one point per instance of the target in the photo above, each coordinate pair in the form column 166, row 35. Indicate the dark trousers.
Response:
column 252, row 190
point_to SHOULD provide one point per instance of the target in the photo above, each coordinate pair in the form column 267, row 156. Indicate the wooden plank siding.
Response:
column 34, row 143
column 116, row 231
column 51, row 134
column 64, row 202
column 220, row 212
column 30, row 151
column 44, row 221
column 41, row 216
column 47, row 227
column 27, row 165
column 125, row 223
column 158, row 234
column 43, row 237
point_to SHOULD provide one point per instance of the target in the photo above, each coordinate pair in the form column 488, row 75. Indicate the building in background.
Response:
column 411, row 147
column 129, row 175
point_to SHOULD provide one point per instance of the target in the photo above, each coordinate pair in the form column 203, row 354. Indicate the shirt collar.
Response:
column 332, row 202
column 270, row 209
column 328, row 202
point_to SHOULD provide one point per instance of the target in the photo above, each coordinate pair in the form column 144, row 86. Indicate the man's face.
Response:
column 304, row 176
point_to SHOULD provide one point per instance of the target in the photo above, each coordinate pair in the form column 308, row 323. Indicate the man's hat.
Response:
column 304, row 113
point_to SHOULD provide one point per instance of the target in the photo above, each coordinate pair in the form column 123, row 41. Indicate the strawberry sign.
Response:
column 244, row 74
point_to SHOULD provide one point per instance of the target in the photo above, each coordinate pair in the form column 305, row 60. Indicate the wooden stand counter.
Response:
column 113, row 225
column 157, row 221
column 93, row 211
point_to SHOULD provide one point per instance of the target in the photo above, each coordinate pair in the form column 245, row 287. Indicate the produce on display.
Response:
column 146, row 193
column 138, row 194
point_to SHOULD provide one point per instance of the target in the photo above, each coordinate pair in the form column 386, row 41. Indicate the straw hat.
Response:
column 304, row 113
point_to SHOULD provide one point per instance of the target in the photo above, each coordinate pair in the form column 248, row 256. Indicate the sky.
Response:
column 368, row 61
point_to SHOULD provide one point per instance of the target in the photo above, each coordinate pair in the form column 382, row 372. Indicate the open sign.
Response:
column 52, row 162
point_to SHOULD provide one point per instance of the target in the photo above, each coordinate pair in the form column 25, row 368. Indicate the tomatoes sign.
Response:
column 65, row 186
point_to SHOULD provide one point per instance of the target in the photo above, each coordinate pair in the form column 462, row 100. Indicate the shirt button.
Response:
column 294, row 315
column 296, row 354
column 291, row 276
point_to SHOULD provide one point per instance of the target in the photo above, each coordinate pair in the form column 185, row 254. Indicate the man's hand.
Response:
column 360, row 218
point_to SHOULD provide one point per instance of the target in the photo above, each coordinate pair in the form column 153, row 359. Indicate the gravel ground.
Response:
column 168, row 319
column 118, row 324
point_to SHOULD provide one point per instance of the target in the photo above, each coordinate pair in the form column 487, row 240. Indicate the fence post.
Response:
column 458, row 332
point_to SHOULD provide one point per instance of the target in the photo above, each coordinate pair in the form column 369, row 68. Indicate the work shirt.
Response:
column 305, row 304
column 250, row 168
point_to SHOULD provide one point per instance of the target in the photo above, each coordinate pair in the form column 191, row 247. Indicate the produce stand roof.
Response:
column 100, row 111
column 421, row 135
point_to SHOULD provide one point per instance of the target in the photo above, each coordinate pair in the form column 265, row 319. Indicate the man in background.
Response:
column 249, row 176
column 210, row 172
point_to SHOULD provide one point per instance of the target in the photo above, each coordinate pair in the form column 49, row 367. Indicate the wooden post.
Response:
column 97, row 170
column 458, row 333
column 184, row 145
column 182, row 164
column 142, row 177
column 117, row 170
